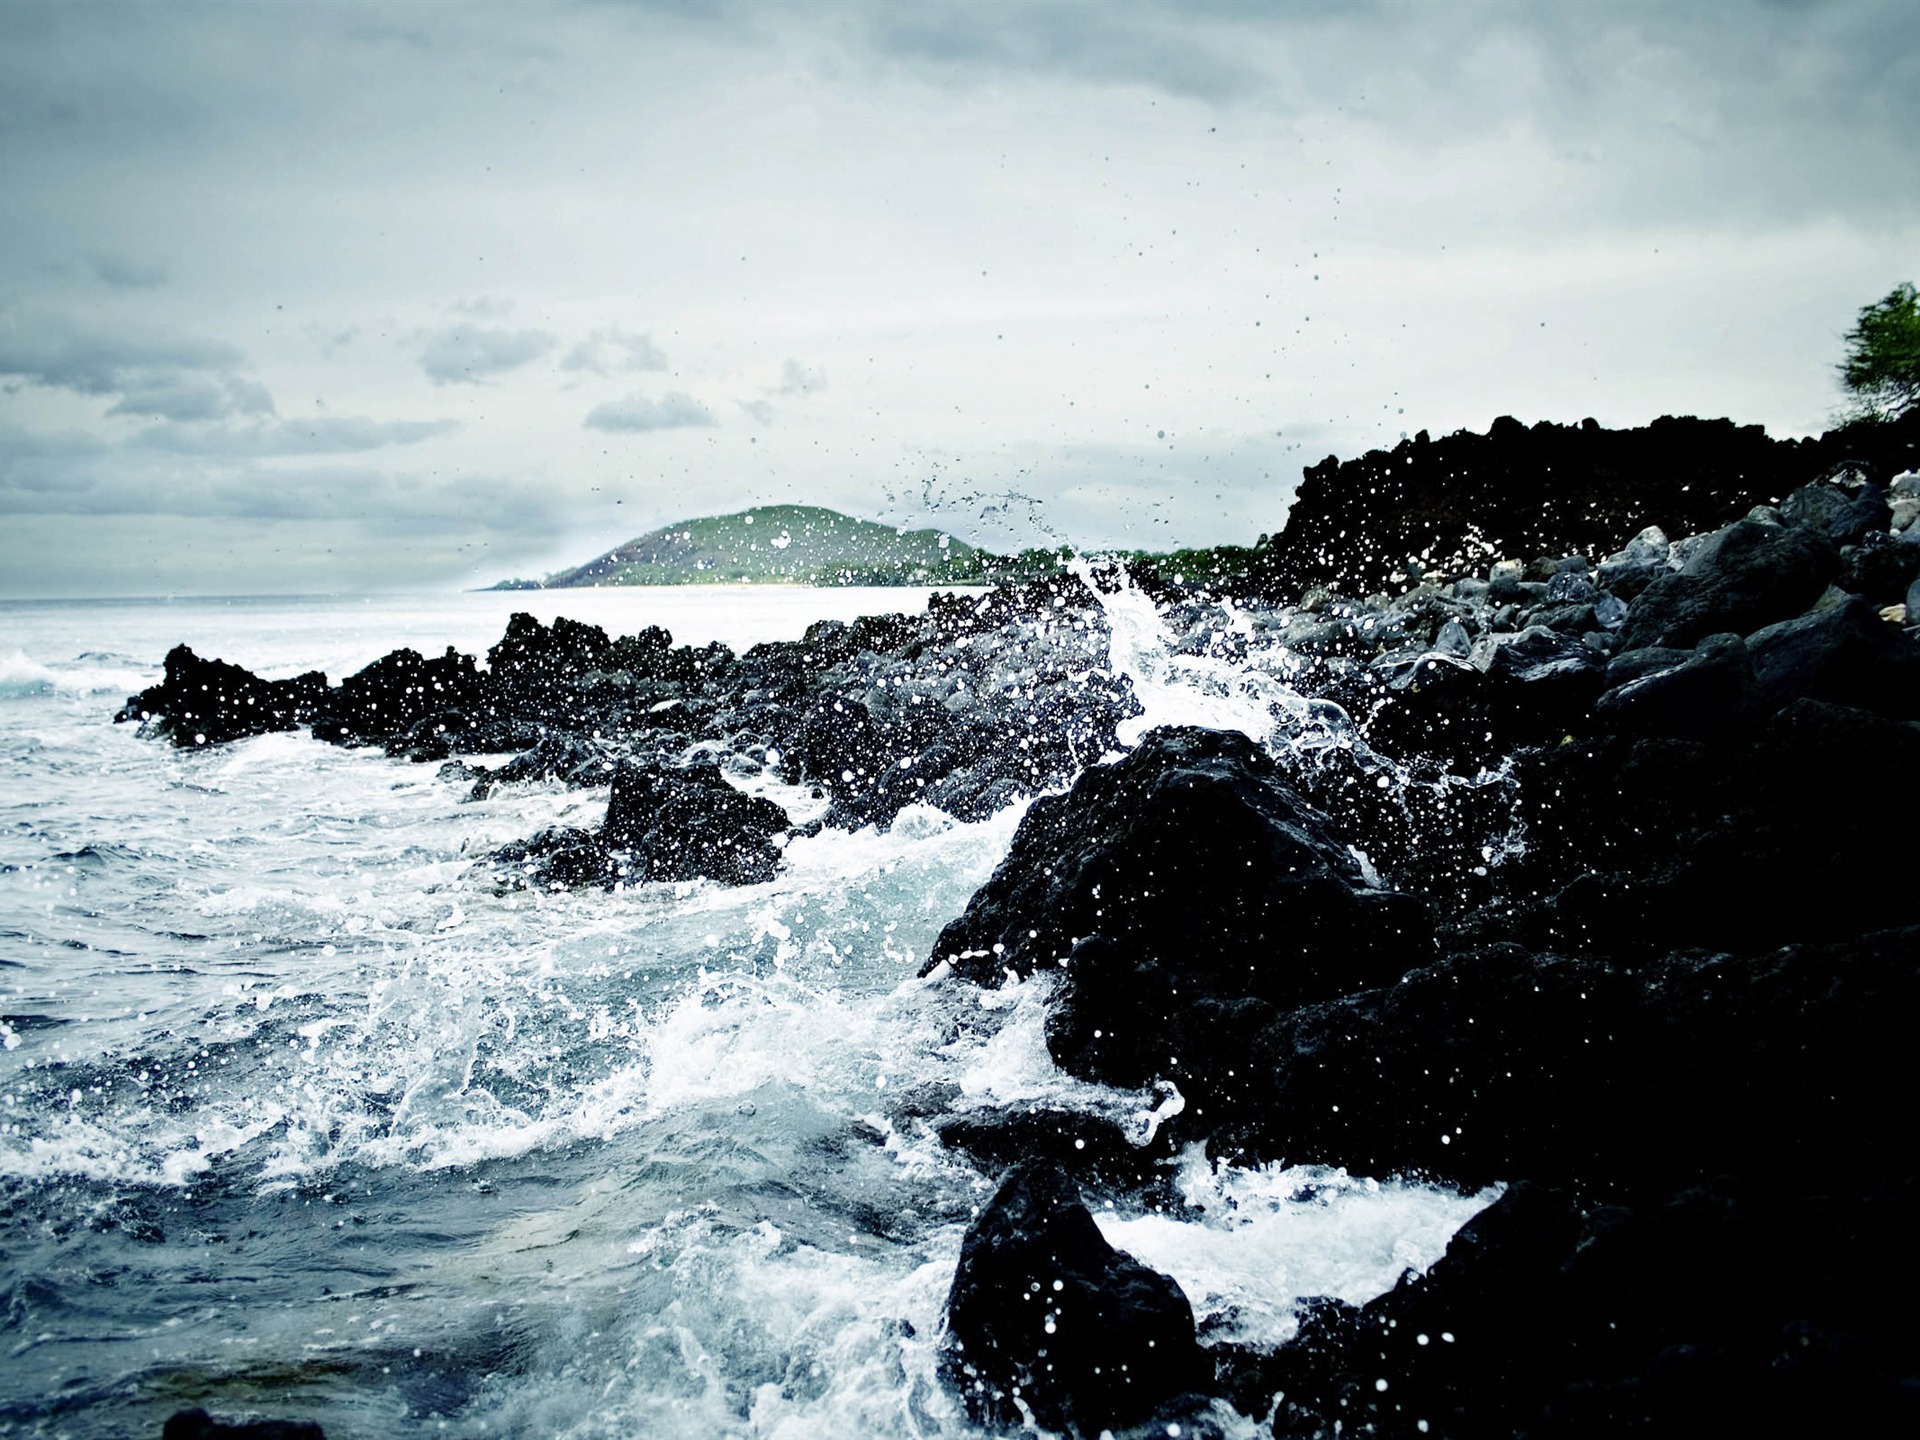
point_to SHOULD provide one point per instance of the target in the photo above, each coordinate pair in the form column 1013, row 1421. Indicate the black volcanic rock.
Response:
column 688, row 823
column 197, row 1424
column 1742, row 840
column 1843, row 653
column 1725, row 1309
column 209, row 702
column 1182, row 889
column 1617, row 1081
column 1842, row 518
column 394, row 693
column 1739, row 578
column 664, row 822
column 1043, row 1308
column 1519, row 491
column 1656, row 691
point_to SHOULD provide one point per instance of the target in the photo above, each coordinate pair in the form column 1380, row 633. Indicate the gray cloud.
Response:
column 1169, row 48
column 186, row 396
column 120, row 273
column 467, row 354
column 50, row 350
column 164, row 377
column 671, row 411
column 612, row 351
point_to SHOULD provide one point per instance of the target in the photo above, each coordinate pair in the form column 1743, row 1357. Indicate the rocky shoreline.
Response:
column 1580, row 869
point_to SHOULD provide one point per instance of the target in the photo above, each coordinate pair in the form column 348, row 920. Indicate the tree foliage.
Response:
column 1882, row 366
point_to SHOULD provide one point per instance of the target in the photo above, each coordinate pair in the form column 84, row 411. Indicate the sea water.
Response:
column 298, row 1118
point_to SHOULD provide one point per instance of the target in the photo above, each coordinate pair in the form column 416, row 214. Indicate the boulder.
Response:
column 1043, row 1311
column 1208, row 881
column 1739, row 578
column 1843, row 653
column 1636, row 565
column 1842, row 518
column 1705, row 691
column 1553, row 675
column 688, row 823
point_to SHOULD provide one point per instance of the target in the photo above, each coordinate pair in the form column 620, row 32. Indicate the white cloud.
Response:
column 612, row 351
column 798, row 379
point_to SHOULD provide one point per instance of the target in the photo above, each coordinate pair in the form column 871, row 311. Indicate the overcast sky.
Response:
column 336, row 298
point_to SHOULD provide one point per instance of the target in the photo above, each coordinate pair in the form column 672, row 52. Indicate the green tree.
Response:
column 1882, row 366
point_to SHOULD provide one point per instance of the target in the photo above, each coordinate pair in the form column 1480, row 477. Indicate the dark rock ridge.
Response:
column 1520, row 491
column 1045, row 1312
column 981, row 700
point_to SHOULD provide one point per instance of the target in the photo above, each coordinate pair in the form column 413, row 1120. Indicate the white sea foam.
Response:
column 272, row 972
column 21, row 676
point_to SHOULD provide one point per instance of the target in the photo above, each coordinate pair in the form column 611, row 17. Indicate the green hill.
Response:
column 779, row 545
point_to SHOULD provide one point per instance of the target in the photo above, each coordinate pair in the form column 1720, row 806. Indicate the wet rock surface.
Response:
column 1186, row 894
column 1045, row 1314
column 209, row 702
column 197, row 1424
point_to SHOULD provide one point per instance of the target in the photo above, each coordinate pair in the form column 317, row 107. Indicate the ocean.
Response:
column 299, row 1118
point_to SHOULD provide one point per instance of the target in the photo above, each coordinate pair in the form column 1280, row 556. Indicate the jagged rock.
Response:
column 1520, row 490
column 1705, row 691
column 666, row 823
column 1044, row 1309
column 1185, row 888
column 1843, row 653
column 209, row 702
column 558, row 755
column 197, row 1424
column 1544, row 1319
column 561, row 856
column 1739, row 578
column 1843, row 519
column 394, row 693
column 1619, row 1081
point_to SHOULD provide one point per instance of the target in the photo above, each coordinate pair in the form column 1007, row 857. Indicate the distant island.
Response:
column 789, row 545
